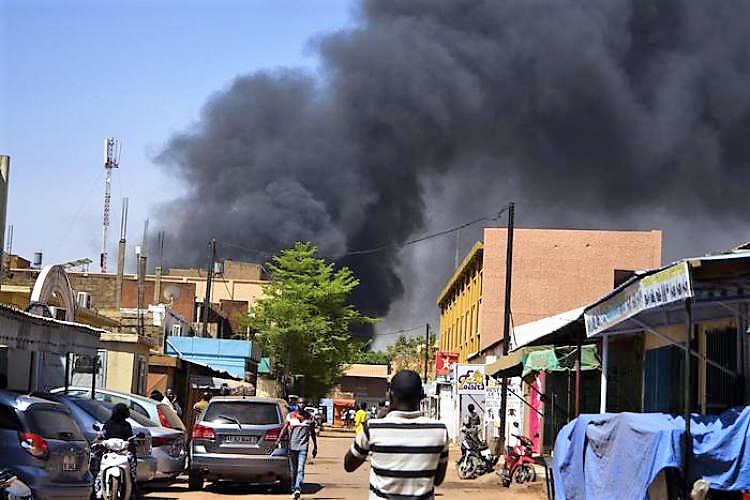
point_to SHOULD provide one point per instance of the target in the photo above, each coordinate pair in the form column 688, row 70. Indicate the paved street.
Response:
column 326, row 479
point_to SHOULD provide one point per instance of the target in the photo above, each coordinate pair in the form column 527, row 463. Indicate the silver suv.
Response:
column 235, row 439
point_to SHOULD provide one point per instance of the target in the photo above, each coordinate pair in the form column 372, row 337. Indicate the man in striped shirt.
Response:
column 409, row 451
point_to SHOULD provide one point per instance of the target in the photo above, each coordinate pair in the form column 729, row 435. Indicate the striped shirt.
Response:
column 406, row 450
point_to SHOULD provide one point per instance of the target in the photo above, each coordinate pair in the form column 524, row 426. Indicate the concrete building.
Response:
column 554, row 270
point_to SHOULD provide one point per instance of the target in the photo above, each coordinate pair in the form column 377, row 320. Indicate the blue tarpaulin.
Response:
column 619, row 455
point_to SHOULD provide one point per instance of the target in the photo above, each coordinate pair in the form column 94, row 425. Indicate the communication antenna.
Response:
column 111, row 160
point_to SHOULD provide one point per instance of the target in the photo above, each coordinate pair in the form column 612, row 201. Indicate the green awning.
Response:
column 544, row 359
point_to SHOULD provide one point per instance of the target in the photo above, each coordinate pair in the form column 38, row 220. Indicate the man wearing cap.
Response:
column 409, row 451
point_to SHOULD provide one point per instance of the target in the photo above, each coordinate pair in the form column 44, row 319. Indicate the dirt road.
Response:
column 326, row 480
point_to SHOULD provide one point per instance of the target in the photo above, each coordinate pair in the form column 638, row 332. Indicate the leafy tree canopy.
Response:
column 303, row 321
column 409, row 354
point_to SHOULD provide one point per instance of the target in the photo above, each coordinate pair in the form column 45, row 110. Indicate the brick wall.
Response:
column 556, row 270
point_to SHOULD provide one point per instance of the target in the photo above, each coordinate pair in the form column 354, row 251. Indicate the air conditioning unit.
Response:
column 83, row 299
column 176, row 330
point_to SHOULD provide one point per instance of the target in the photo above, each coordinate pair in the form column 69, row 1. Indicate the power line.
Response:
column 369, row 251
column 403, row 330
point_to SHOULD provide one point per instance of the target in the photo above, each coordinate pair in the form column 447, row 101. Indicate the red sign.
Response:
column 444, row 362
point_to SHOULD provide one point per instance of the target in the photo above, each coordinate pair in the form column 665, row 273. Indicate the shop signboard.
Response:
column 444, row 362
column 470, row 379
column 492, row 403
column 664, row 287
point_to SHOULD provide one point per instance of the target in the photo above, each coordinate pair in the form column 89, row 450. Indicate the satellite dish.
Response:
column 171, row 292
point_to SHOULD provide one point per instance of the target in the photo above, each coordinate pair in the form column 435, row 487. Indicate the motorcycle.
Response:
column 476, row 459
column 13, row 488
column 519, row 462
column 114, row 469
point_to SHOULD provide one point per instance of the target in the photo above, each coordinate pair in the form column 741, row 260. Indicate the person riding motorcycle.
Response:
column 116, row 427
column 472, row 426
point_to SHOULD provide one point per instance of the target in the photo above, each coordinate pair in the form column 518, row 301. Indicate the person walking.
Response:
column 360, row 418
column 299, row 427
column 171, row 399
column 409, row 451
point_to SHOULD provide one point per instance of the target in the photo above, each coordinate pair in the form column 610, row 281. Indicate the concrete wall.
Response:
column 370, row 390
column 555, row 270
column 267, row 388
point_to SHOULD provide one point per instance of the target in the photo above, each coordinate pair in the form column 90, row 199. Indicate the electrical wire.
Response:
column 403, row 330
column 369, row 251
column 73, row 220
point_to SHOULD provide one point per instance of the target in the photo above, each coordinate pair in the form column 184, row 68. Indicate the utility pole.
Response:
column 209, row 284
column 506, row 318
column 426, row 349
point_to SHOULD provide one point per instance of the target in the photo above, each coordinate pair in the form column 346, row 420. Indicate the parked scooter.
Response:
column 519, row 462
column 13, row 488
column 114, row 469
column 476, row 459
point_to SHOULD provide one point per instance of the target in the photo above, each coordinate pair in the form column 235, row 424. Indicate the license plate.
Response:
column 240, row 439
column 70, row 463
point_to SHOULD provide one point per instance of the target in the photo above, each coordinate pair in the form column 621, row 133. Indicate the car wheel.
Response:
column 195, row 481
column 284, row 486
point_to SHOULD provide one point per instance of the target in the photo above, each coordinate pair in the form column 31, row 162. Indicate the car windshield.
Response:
column 244, row 412
column 54, row 424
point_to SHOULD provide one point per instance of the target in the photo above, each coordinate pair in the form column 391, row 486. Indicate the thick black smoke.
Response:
column 589, row 109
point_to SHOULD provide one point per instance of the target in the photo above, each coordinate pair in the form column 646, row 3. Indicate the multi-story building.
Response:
column 554, row 270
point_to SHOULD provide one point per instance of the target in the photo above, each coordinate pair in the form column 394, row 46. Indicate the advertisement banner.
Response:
column 470, row 379
column 666, row 286
column 444, row 362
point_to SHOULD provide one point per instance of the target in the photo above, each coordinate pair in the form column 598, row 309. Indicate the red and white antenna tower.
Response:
column 111, row 160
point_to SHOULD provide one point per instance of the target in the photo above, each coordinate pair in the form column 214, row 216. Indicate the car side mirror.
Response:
column 97, row 427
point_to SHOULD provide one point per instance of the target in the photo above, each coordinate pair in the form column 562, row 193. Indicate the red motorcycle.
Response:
column 519, row 462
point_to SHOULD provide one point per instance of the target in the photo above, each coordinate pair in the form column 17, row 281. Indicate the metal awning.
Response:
column 507, row 366
column 208, row 382
column 529, row 333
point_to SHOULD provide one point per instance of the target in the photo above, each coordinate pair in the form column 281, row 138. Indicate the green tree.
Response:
column 369, row 357
column 409, row 354
column 303, row 321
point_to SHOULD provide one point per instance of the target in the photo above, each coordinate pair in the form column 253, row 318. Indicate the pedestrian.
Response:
column 156, row 395
column 200, row 406
column 382, row 410
column 350, row 418
column 409, row 451
column 360, row 418
column 299, row 427
column 116, row 427
column 171, row 399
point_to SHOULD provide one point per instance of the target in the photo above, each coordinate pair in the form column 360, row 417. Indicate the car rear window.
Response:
column 172, row 418
column 245, row 412
column 53, row 424
column 145, row 422
column 100, row 411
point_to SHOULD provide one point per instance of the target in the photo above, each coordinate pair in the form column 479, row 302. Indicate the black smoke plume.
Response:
column 587, row 112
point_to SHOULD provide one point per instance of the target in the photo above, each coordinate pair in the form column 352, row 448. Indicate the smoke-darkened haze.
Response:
column 428, row 113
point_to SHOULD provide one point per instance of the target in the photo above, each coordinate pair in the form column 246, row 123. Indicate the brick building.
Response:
column 554, row 270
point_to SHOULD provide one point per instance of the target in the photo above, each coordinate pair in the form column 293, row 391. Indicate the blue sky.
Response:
column 74, row 72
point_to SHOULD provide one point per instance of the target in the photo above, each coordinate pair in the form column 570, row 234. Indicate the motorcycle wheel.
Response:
column 465, row 469
column 524, row 473
column 112, row 491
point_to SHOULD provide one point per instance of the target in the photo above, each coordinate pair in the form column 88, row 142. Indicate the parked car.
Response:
column 235, row 439
column 167, row 445
column 44, row 446
column 156, row 411
column 91, row 415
